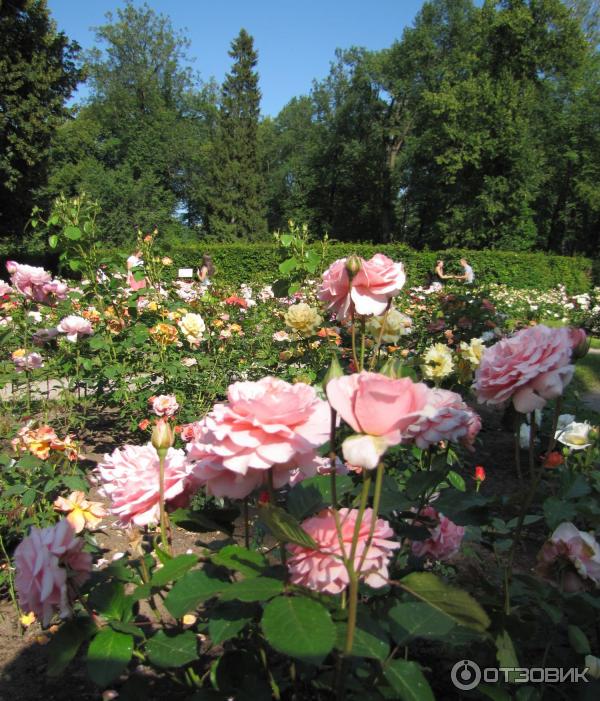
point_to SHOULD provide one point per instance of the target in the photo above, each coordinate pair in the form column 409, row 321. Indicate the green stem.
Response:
column 517, row 445
column 532, row 432
column 162, row 453
column 375, row 511
column 246, row 525
column 375, row 355
column 353, row 334
column 363, row 339
column 552, row 441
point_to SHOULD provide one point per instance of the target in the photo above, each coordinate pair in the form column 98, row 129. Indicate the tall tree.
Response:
column 138, row 144
column 237, row 208
column 38, row 72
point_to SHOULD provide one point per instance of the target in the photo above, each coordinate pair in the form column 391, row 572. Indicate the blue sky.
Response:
column 296, row 40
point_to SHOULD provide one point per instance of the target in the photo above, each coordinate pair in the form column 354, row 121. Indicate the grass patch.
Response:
column 587, row 374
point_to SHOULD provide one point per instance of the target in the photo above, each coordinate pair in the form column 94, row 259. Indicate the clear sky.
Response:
column 295, row 39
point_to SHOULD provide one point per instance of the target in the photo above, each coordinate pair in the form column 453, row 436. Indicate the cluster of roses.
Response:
column 41, row 441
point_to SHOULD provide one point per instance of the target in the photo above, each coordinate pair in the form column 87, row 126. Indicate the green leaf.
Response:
column 299, row 627
column 304, row 500
column 63, row 646
column 254, row 589
column 286, row 239
column 173, row 569
column 288, row 266
column 29, row 497
column 193, row 588
column 456, row 481
column 74, row 264
column 407, row 680
column 73, row 233
column 249, row 562
column 557, row 510
column 97, row 342
column 108, row 655
column 414, row 619
column 205, row 521
column 53, row 241
column 228, row 619
column 459, row 605
column 172, row 650
column 370, row 640
column 285, row 527
column 578, row 640
column 505, row 650
column 421, row 481
column 128, row 628
column 109, row 600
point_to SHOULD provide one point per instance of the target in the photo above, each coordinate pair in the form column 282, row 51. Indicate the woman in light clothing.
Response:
column 206, row 271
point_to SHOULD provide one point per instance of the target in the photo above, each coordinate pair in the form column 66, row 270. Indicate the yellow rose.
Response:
column 164, row 334
column 396, row 325
column 303, row 319
column 438, row 362
column 473, row 351
column 192, row 327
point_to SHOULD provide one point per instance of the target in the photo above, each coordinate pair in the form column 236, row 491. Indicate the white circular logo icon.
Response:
column 465, row 675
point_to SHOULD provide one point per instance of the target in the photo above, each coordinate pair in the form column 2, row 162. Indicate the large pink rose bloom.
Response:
column 445, row 537
column 445, row 418
column 571, row 546
column 263, row 425
column 75, row 327
column 378, row 406
column 378, row 280
column 35, row 283
column 46, row 561
column 323, row 569
column 530, row 367
column 129, row 479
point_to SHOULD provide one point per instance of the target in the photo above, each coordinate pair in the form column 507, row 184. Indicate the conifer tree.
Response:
column 237, row 209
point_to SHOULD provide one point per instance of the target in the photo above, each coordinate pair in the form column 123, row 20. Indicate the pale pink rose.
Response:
column 280, row 336
column 530, row 367
column 164, row 405
column 48, row 561
column 570, row 546
column 265, row 424
column 27, row 361
column 323, row 570
column 55, row 290
column 445, row 537
column 445, row 418
column 5, row 289
column 75, row 327
column 36, row 283
column 378, row 406
column 42, row 336
column 129, row 479
column 378, row 280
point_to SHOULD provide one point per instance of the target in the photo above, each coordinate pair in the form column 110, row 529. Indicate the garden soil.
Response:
column 22, row 652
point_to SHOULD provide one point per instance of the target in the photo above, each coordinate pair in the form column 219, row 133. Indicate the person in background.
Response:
column 206, row 270
column 435, row 279
column 468, row 275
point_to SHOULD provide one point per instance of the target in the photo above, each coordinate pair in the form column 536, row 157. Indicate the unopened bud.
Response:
column 335, row 370
column 393, row 367
column 353, row 265
column 580, row 343
column 162, row 435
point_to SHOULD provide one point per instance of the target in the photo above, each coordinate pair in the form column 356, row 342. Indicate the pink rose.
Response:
column 580, row 343
column 36, row 283
column 46, row 562
column 164, row 405
column 76, row 327
column 5, row 289
column 577, row 548
column 134, row 284
column 129, row 479
column 374, row 285
column 530, row 367
column 445, row 418
column 27, row 361
column 265, row 424
column 377, row 407
column 323, row 570
column 445, row 537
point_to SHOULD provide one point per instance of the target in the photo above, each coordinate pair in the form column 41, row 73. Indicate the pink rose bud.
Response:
column 580, row 343
column 335, row 370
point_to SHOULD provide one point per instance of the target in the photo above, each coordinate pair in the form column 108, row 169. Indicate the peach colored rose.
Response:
column 378, row 280
column 445, row 536
column 323, row 570
column 46, row 561
column 530, row 367
column 81, row 512
column 129, row 479
column 263, row 425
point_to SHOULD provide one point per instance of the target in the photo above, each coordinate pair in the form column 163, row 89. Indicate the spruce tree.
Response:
column 238, row 208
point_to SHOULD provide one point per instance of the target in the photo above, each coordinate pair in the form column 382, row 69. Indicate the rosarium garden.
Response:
column 392, row 493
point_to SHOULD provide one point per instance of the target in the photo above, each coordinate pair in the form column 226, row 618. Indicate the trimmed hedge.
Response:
column 238, row 262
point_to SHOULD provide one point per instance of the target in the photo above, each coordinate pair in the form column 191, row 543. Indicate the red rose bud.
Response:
column 553, row 459
column 162, row 435
column 263, row 497
column 480, row 473
column 143, row 424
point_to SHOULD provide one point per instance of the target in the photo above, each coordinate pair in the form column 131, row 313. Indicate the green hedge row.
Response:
column 237, row 263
